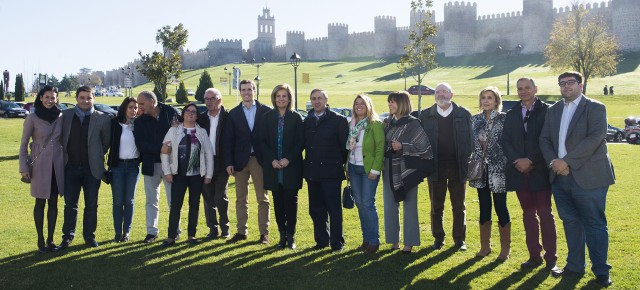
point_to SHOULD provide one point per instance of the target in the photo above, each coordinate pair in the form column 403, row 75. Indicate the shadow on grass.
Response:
column 377, row 64
column 9, row 158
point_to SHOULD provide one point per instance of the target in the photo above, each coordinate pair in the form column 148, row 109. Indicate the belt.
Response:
column 252, row 154
column 128, row 160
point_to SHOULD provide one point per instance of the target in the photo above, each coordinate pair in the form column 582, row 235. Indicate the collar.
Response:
column 444, row 113
column 535, row 100
column 575, row 102
column 253, row 105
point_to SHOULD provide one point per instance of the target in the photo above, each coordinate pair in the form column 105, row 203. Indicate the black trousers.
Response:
column 178, row 191
column 216, row 202
column 325, row 205
column 285, row 206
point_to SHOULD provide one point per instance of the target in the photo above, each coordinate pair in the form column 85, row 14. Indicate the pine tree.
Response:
column 19, row 89
column 181, row 94
column 1, row 90
column 203, row 85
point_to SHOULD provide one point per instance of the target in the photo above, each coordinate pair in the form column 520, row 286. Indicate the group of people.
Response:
column 536, row 150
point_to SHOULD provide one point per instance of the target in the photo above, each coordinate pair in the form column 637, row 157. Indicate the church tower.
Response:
column 266, row 41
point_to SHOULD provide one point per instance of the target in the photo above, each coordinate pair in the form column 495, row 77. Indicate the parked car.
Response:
column 425, row 90
column 614, row 134
column 303, row 113
column 114, row 94
column 344, row 111
column 64, row 106
column 10, row 109
column 105, row 109
column 28, row 107
column 191, row 92
column 115, row 107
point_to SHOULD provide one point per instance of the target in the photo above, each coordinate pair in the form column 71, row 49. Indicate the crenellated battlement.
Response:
column 500, row 15
column 295, row 32
column 459, row 5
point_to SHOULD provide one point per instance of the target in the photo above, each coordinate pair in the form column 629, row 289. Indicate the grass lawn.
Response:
column 214, row 264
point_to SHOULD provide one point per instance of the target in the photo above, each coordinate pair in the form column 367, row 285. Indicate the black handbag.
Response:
column 347, row 197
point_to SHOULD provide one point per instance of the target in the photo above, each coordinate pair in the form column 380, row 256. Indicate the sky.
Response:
column 61, row 37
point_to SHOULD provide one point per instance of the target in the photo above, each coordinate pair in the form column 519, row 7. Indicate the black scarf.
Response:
column 49, row 115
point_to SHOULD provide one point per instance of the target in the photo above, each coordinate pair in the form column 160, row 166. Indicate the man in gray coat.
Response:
column 85, row 141
column 573, row 142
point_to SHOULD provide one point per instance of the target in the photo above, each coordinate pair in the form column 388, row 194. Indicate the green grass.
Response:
column 249, row 265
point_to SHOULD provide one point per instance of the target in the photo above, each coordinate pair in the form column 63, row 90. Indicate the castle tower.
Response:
column 419, row 15
column 385, row 35
column 295, row 43
column 537, row 23
column 460, row 26
column 626, row 26
column 266, row 41
column 338, row 39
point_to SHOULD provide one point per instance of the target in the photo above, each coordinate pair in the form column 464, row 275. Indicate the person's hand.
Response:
column 230, row 170
column 275, row 164
column 25, row 175
column 565, row 172
column 207, row 180
column 523, row 165
column 558, row 166
column 372, row 176
column 169, row 178
column 166, row 148
column 284, row 162
column 395, row 145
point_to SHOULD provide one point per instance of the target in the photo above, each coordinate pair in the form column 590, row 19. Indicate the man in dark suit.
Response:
column 527, row 173
column 215, row 193
column 150, row 128
column 85, row 141
column 325, row 135
column 242, row 160
column 573, row 142
column 447, row 124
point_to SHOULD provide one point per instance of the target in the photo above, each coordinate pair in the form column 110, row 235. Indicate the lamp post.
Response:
column 404, row 73
column 295, row 62
column 229, row 72
column 129, row 73
column 258, row 65
column 500, row 51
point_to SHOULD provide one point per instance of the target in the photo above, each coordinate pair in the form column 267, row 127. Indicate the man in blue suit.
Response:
column 573, row 144
column 242, row 160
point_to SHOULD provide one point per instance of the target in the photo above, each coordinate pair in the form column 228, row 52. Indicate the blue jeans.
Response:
column 364, row 194
column 78, row 177
column 583, row 215
column 123, row 188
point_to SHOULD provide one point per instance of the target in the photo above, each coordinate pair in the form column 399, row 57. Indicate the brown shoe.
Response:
column 237, row 238
column 363, row 247
column 372, row 249
column 264, row 239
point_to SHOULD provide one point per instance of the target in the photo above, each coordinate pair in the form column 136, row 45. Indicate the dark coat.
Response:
column 462, row 135
column 204, row 122
column 114, row 149
column 292, row 145
column 516, row 144
column 149, row 133
column 325, row 146
column 238, row 137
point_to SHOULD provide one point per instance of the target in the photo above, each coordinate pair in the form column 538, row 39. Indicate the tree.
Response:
column 582, row 42
column 19, row 89
column 1, row 90
column 68, row 84
column 203, row 85
column 159, row 67
column 420, row 53
column 181, row 94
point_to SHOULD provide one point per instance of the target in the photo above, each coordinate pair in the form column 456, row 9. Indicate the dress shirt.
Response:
column 567, row 115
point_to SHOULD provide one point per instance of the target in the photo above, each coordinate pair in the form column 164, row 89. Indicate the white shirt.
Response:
column 128, row 149
column 213, row 130
column 355, row 157
column 444, row 113
column 567, row 115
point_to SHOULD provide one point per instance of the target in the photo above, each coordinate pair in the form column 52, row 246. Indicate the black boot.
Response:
column 283, row 240
column 291, row 243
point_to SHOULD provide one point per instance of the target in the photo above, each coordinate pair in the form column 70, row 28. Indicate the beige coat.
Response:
column 170, row 161
column 37, row 130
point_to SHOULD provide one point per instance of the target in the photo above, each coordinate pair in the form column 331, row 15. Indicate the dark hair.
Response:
column 184, row 109
column 574, row 74
column 401, row 98
column 122, row 110
column 47, row 88
column 244, row 82
column 83, row 89
column 286, row 88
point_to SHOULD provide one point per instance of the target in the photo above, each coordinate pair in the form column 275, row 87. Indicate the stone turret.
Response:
column 385, row 39
column 459, row 28
column 626, row 26
column 266, row 41
column 295, row 43
column 419, row 15
column 338, row 36
column 537, row 23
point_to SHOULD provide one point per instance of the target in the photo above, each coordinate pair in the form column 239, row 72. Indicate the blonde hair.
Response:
column 496, row 94
column 371, row 113
column 285, row 87
column 401, row 98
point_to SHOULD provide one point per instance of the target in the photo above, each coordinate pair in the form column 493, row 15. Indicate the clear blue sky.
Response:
column 60, row 37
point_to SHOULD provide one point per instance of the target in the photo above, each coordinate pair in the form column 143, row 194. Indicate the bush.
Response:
column 203, row 85
column 181, row 94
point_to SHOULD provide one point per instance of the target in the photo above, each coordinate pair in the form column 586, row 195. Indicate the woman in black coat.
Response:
column 281, row 142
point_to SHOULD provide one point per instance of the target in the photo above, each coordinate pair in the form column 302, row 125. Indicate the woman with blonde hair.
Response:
column 365, row 143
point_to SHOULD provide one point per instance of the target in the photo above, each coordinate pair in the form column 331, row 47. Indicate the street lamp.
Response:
column 295, row 62
column 229, row 72
column 258, row 65
column 500, row 51
column 130, row 74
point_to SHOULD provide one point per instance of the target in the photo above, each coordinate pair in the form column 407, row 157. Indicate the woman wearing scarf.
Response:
column 45, row 151
column 487, row 132
column 366, row 149
column 281, row 141
column 124, row 161
column 189, row 165
column 408, row 160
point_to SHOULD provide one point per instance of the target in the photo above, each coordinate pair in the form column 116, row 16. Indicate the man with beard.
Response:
column 447, row 124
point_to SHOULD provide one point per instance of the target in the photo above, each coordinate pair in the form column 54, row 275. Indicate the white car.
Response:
column 191, row 92
column 114, row 94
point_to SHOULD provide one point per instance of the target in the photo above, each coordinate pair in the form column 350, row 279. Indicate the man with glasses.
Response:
column 151, row 126
column 573, row 142
column 242, row 160
column 215, row 197
column 527, row 173
column 448, row 126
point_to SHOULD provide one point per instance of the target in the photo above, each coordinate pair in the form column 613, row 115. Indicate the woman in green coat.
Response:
column 366, row 152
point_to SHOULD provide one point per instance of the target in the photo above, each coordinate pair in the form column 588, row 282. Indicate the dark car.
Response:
column 105, row 109
column 64, row 106
column 12, row 110
column 425, row 90
column 614, row 134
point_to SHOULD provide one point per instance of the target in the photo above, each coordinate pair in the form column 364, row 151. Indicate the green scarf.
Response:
column 355, row 132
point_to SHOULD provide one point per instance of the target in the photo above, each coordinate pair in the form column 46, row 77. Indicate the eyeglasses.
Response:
column 442, row 91
column 210, row 99
column 570, row 82
column 192, row 112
